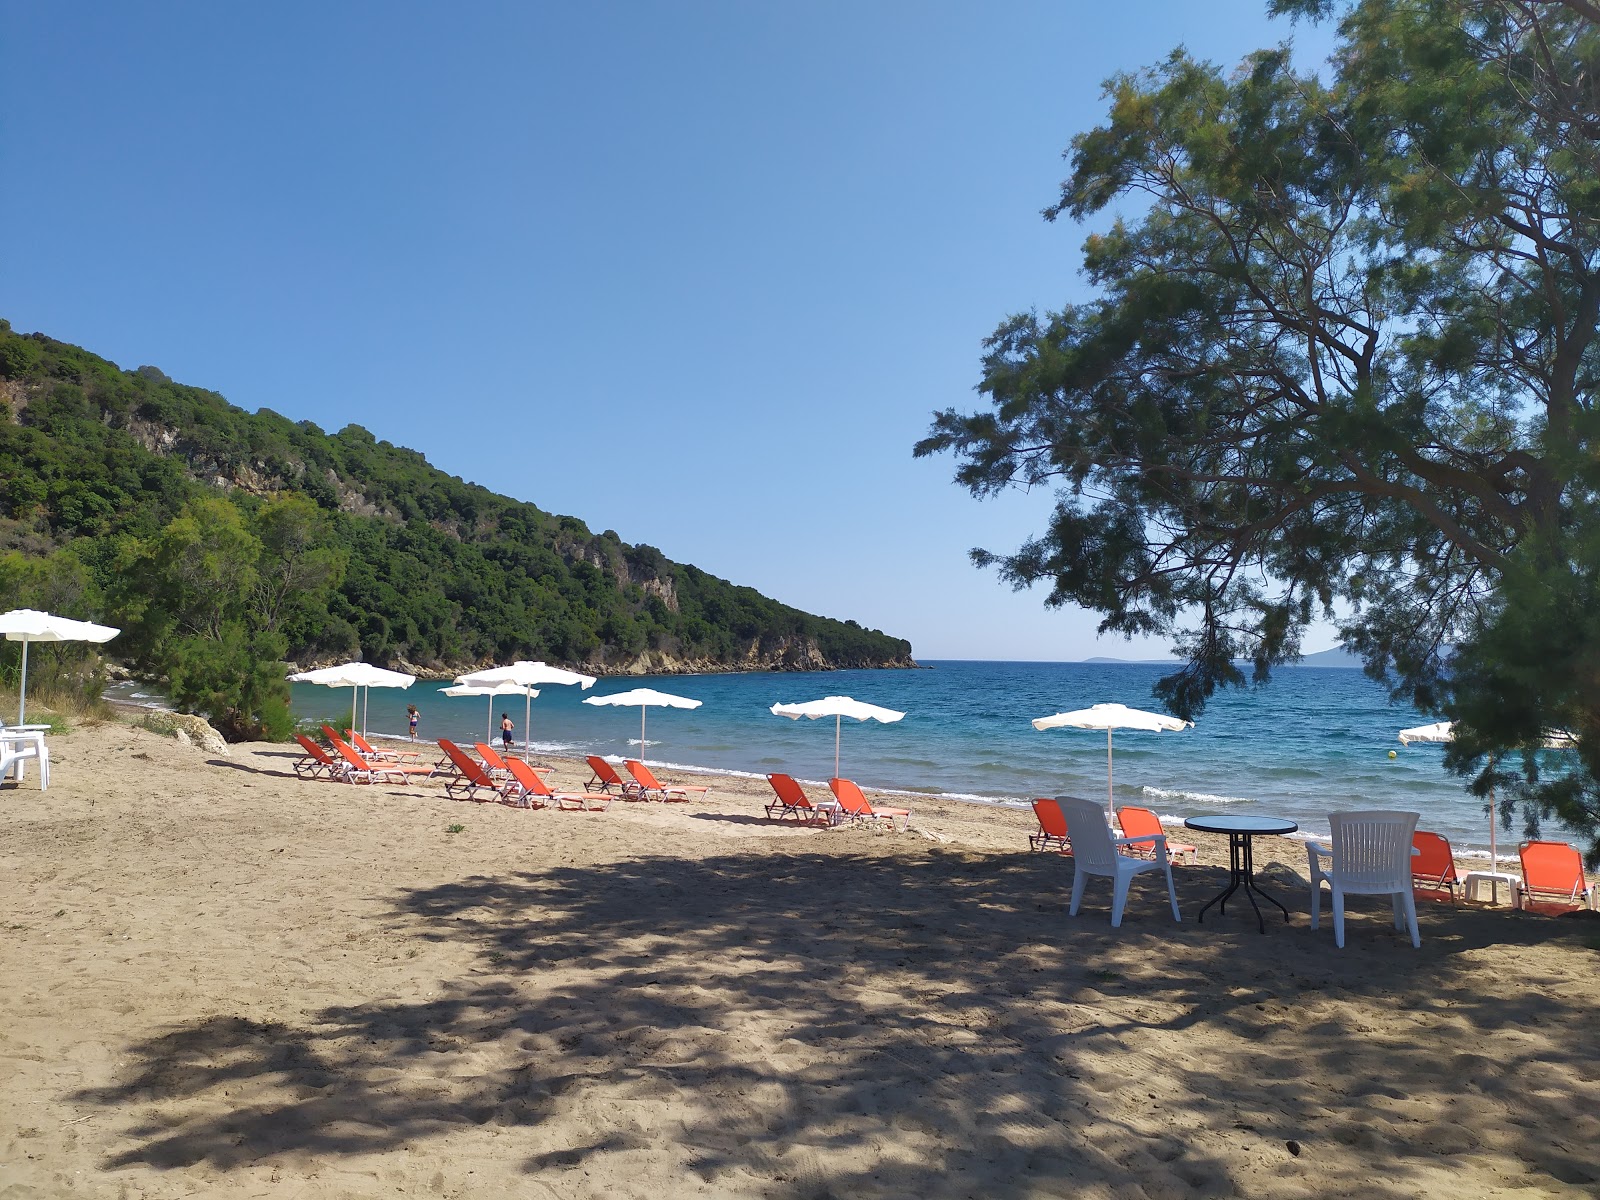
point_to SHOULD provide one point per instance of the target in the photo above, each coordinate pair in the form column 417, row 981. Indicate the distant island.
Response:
column 1338, row 657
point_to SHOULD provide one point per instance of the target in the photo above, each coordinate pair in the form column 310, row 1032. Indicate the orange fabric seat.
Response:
column 369, row 752
column 1552, row 876
column 605, row 777
column 647, row 784
column 492, row 760
column 792, row 801
column 471, row 776
column 856, row 807
column 1141, row 822
column 534, row 788
column 363, row 771
column 1052, row 833
column 1433, row 866
column 316, row 761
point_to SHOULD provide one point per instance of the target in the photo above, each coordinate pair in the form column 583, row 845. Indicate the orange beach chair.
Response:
column 1141, row 823
column 793, row 802
column 534, row 788
column 1433, row 866
column 316, row 761
column 605, row 777
column 492, row 760
column 1052, row 833
column 471, row 776
column 363, row 771
column 651, row 788
column 369, row 752
column 1552, row 876
column 856, row 807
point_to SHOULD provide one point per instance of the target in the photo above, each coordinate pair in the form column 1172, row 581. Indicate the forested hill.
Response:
column 416, row 567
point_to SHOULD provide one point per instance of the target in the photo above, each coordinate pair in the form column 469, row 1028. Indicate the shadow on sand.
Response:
column 824, row 1023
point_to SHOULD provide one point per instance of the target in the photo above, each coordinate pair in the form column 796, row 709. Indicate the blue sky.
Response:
column 698, row 272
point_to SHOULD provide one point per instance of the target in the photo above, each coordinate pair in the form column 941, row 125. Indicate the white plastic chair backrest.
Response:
column 1091, row 836
column 1373, row 848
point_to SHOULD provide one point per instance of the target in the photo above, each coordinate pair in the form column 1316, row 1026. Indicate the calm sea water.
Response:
column 1315, row 740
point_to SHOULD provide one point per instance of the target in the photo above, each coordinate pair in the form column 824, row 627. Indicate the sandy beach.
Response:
column 220, row 980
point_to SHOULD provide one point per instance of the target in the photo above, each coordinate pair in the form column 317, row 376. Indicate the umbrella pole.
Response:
column 837, row 721
column 642, row 711
column 355, row 699
column 366, row 702
column 1111, row 807
column 527, row 719
column 22, row 696
column 1494, row 857
column 488, row 720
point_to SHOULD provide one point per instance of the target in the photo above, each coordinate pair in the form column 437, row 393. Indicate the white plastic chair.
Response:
column 1371, row 857
column 19, row 743
column 1094, row 852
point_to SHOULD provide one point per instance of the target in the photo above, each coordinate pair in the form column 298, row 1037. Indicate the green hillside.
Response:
column 359, row 547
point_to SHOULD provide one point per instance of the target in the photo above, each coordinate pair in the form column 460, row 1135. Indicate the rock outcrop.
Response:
column 186, row 728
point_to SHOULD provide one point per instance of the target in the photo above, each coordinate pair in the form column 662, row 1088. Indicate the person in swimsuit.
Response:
column 411, row 715
column 506, row 728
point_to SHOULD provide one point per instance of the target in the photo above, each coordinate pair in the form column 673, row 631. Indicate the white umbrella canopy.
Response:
column 356, row 675
column 525, row 674
column 836, row 707
column 1109, row 717
column 492, row 690
column 28, row 625
column 645, row 698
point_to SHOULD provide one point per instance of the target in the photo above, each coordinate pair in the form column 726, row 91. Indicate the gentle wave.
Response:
column 1195, row 797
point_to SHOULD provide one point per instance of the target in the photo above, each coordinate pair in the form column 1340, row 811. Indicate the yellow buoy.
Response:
column 1392, row 754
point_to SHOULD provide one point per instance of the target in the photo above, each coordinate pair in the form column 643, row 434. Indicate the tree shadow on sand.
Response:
column 818, row 1022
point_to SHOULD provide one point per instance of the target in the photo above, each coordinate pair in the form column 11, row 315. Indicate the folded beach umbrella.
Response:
column 1444, row 731
column 28, row 625
column 645, row 698
column 525, row 675
column 492, row 690
column 356, row 675
column 1109, row 717
column 836, row 707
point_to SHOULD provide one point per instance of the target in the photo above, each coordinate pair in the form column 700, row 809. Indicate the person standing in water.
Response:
column 507, row 727
column 412, row 716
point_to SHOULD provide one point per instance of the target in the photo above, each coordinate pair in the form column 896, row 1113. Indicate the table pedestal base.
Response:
column 1241, row 867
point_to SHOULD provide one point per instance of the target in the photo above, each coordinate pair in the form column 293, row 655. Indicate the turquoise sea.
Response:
column 1315, row 740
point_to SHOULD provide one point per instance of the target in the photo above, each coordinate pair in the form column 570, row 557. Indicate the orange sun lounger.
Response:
column 316, row 761
column 362, row 771
column 492, row 760
column 534, row 788
column 647, row 783
column 471, row 776
column 605, row 777
column 1140, row 823
column 1052, row 833
column 792, row 802
column 369, row 752
column 856, row 807
column 1552, row 874
column 1433, row 866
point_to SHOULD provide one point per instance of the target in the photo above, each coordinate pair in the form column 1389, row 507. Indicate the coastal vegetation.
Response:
column 226, row 543
column 1342, row 364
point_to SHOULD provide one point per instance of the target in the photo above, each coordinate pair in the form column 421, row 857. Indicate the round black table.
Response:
column 1240, row 864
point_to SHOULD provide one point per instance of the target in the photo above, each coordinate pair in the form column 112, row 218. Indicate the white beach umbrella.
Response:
column 525, row 675
column 355, row 675
column 645, row 698
column 837, row 707
column 1444, row 731
column 492, row 690
column 1109, row 717
column 28, row 625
